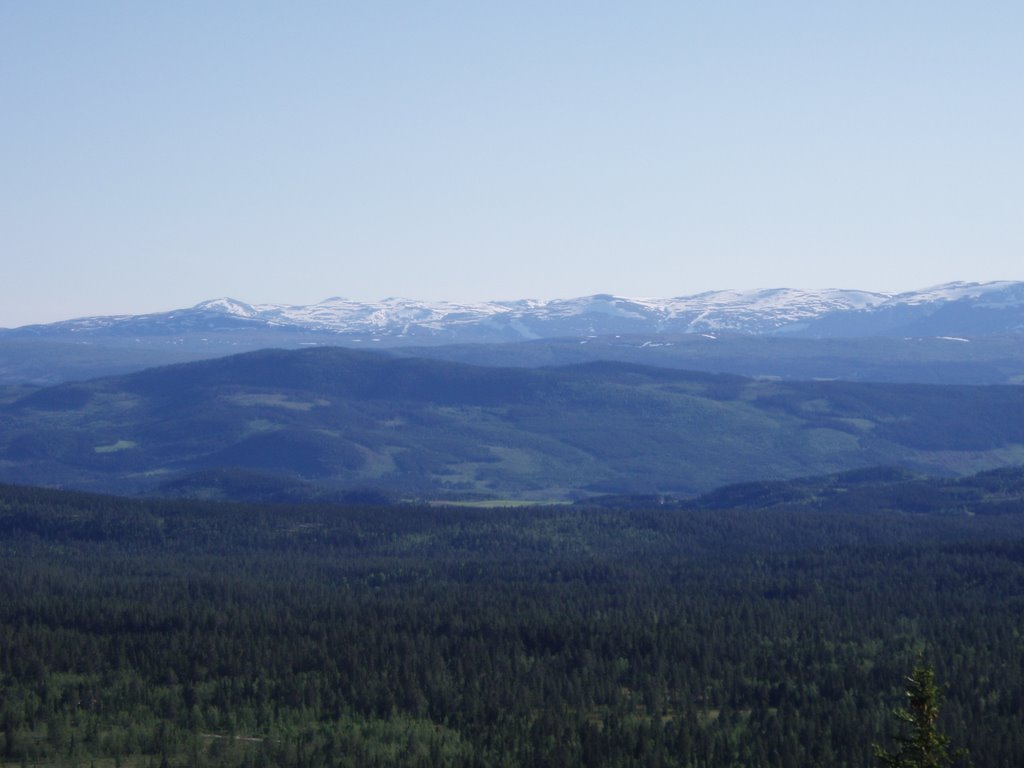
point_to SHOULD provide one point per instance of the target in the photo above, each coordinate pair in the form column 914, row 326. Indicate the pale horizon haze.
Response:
column 156, row 155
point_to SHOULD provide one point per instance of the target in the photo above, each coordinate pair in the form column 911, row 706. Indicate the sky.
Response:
column 157, row 154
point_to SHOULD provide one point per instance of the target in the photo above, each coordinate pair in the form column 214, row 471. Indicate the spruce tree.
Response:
column 919, row 743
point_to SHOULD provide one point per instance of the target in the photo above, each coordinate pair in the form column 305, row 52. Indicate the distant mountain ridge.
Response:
column 952, row 309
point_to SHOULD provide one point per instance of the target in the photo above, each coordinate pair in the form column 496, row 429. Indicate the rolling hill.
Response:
column 330, row 420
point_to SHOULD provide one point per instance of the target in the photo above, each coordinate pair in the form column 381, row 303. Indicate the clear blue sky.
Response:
column 155, row 154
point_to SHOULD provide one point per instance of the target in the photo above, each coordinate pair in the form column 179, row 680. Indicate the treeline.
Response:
column 138, row 632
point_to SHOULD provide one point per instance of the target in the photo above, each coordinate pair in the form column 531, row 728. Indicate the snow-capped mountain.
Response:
column 954, row 309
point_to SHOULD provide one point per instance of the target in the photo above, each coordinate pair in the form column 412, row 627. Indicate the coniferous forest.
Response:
column 147, row 632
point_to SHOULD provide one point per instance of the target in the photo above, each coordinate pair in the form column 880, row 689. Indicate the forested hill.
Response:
column 327, row 420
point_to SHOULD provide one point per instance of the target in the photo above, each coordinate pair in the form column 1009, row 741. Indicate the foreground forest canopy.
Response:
column 147, row 632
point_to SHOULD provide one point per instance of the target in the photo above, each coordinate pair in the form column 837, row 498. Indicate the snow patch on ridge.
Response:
column 753, row 312
column 227, row 306
column 955, row 292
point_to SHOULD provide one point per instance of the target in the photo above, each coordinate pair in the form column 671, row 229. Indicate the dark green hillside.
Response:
column 340, row 419
column 149, row 632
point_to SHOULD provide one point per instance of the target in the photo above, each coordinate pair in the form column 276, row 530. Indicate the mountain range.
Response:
column 959, row 333
column 954, row 308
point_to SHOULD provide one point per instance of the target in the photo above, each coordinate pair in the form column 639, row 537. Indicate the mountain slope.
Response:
column 341, row 419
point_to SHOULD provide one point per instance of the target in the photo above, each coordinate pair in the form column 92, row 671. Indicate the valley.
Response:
column 639, row 547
